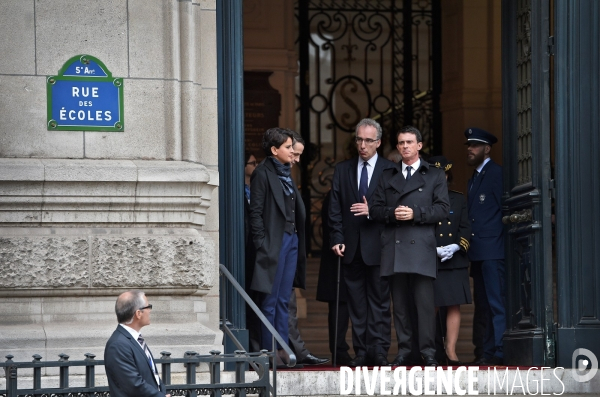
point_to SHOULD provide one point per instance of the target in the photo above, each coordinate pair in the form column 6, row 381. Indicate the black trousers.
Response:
column 420, row 288
column 369, row 307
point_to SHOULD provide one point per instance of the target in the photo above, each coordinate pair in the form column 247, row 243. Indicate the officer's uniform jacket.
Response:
column 485, row 214
column 455, row 229
column 410, row 246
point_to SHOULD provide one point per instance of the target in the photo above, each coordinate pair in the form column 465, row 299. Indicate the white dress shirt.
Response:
column 415, row 166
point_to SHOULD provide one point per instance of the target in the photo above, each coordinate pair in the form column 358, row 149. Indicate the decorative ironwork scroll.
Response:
column 363, row 58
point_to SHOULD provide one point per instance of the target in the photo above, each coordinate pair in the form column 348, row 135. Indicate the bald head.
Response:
column 127, row 304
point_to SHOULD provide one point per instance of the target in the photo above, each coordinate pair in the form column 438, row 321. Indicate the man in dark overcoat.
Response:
column 484, row 200
column 410, row 200
column 355, row 238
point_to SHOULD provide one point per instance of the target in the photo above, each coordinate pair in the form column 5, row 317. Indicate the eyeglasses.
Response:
column 147, row 307
column 251, row 163
column 368, row 141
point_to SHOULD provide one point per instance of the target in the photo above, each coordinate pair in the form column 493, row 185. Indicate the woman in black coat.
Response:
column 277, row 222
column 451, row 287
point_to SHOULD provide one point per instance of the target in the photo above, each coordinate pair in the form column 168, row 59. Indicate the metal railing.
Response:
column 191, row 388
column 260, row 363
column 276, row 336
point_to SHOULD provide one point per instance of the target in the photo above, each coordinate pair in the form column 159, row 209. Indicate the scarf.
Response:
column 283, row 173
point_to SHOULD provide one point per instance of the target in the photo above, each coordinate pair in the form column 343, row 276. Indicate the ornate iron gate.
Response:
column 363, row 58
column 529, row 338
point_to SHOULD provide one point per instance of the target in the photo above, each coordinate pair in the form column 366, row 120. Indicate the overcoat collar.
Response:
column 353, row 177
column 275, row 185
column 416, row 181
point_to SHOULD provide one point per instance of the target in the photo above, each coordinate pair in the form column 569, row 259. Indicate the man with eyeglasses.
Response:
column 129, row 364
column 355, row 238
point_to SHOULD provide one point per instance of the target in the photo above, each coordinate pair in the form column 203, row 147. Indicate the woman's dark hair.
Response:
column 247, row 156
column 275, row 137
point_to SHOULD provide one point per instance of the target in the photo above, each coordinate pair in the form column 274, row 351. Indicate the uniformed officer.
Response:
column 451, row 287
column 487, row 244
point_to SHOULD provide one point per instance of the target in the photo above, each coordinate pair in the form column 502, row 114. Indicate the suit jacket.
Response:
column 267, row 222
column 127, row 368
column 410, row 246
column 485, row 212
column 455, row 229
column 346, row 228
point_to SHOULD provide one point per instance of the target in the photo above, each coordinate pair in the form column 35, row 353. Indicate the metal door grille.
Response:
column 354, row 64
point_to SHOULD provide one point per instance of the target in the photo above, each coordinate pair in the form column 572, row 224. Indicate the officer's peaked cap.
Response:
column 479, row 135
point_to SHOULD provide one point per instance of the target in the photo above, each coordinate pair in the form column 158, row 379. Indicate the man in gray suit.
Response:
column 410, row 200
column 129, row 364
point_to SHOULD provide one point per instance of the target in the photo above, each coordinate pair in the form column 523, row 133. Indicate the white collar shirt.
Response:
column 136, row 335
column 415, row 166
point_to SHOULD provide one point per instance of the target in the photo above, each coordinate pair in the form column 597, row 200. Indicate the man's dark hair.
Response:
column 411, row 130
column 275, row 137
column 127, row 304
column 297, row 137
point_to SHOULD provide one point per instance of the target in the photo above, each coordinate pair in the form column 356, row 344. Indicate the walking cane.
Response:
column 337, row 309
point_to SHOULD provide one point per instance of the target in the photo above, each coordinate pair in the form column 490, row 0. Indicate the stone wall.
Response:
column 85, row 215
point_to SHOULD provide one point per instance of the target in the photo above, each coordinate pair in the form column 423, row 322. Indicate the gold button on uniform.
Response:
column 441, row 235
column 449, row 234
column 449, row 223
column 440, row 223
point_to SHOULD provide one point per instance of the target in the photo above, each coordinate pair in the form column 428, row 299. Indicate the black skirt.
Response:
column 451, row 287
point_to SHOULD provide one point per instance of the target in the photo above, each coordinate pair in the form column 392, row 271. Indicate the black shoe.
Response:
column 380, row 361
column 358, row 361
column 429, row 361
column 312, row 360
column 400, row 361
column 478, row 361
column 454, row 363
column 342, row 359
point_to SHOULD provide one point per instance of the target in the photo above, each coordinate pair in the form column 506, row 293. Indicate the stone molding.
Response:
column 51, row 192
column 97, row 261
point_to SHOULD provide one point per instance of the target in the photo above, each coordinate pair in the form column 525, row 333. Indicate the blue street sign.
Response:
column 85, row 97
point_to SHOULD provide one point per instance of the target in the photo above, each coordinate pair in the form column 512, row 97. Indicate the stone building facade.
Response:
column 85, row 215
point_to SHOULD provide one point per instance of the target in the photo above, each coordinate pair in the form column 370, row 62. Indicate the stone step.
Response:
column 314, row 331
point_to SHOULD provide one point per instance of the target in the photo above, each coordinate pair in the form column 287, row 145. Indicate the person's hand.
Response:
column 360, row 209
column 403, row 213
column 440, row 252
column 339, row 249
column 452, row 248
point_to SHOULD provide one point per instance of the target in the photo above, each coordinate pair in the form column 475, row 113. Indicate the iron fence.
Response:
column 215, row 388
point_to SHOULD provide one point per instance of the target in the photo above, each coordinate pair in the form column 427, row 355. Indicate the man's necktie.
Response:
column 364, row 182
column 408, row 172
column 142, row 343
column 475, row 175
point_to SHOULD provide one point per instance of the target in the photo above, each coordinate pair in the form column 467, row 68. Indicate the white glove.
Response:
column 452, row 248
column 440, row 252
column 448, row 251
